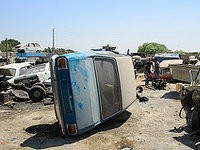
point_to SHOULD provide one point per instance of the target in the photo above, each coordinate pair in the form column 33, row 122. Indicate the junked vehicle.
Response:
column 90, row 88
column 11, row 71
column 36, row 82
column 7, row 75
column 190, row 100
column 165, row 69
column 165, row 73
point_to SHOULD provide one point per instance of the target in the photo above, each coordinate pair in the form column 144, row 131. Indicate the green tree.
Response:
column 61, row 51
column 47, row 50
column 11, row 43
column 153, row 48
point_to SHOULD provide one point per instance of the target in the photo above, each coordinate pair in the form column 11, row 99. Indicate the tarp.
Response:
column 166, row 56
column 25, row 55
column 166, row 63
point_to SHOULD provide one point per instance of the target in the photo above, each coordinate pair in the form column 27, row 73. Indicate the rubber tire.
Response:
column 37, row 93
column 195, row 120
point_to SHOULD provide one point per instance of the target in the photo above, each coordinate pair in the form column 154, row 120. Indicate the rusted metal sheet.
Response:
column 166, row 76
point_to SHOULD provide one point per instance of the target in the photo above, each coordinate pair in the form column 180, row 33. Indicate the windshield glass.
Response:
column 36, row 69
column 7, row 72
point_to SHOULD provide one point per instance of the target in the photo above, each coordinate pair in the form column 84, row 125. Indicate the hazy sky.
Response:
column 86, row 24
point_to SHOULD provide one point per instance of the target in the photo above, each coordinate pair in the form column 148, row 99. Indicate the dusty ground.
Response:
column 144, row 126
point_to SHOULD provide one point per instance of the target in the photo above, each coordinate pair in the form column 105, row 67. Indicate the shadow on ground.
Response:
column 189, row 138
column 49, row 135
column 171, row 95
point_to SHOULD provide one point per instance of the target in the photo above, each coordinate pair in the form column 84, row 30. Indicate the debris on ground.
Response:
column 34, row 126
column 10, row 104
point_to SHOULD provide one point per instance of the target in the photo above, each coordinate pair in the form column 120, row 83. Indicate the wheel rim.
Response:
column 36, row 94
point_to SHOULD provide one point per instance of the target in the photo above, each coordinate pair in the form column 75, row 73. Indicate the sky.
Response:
column 86, row 24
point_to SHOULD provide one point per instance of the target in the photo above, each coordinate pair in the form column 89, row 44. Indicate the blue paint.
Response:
column 79, row 55
column 73, row 84
column 76, row 86
column 80, row 105
column 83, row 72
column 25, row 55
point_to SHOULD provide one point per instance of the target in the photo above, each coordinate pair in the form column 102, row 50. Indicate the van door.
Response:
column 109, row 86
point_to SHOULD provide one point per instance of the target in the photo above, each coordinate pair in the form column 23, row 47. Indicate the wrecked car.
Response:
column 36, row 82
column 11, row 71
column 90, row 88
column 165, row 69
column 190, row 100
column 7, row 75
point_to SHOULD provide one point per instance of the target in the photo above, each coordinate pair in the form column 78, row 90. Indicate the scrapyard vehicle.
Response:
column 11, row 71
column 90, row 88
column 190, row 100
column 34, row 82
column 166, row 70
column 7, row 75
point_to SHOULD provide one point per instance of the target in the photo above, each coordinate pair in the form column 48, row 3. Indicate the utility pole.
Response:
column 53, row 48
column 7, row 51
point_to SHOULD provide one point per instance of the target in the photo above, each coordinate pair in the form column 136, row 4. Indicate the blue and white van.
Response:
column 90, row 88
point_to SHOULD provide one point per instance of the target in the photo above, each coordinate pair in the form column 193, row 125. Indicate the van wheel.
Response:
column 37, row 93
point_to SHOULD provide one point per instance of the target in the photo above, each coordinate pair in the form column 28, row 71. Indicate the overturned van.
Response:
column 90, row 88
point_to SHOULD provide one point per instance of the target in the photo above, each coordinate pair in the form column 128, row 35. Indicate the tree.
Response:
column 153, row 48
column 47, row 50
column 61, row 51
column 11, row 43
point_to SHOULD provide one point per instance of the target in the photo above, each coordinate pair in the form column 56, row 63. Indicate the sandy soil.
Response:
column 144, row 126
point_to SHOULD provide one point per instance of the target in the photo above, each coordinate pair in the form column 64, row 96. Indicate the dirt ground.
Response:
column 144, row 126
